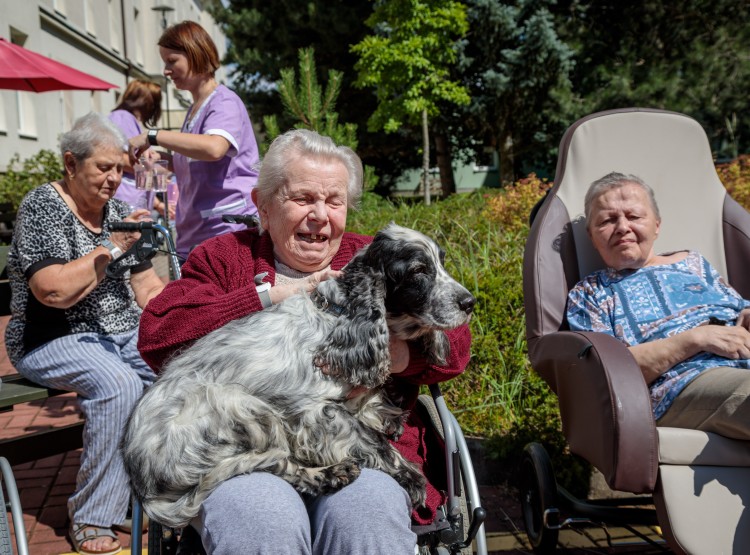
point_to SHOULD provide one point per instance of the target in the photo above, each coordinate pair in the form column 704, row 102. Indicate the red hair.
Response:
column 195, row 42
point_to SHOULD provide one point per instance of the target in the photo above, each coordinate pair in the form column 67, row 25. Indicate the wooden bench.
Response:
column 16, row 389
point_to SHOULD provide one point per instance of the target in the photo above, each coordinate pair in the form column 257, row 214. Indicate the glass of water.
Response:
column 161, row 175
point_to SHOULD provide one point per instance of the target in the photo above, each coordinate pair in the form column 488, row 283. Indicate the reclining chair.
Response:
column 700, row 481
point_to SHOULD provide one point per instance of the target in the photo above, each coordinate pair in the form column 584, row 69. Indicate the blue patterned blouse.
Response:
column 656, row 302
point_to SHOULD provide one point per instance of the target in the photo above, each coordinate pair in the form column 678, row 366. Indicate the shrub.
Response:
column 511, row 209
column 483, row 234
column 22, row 177
column 735, row 176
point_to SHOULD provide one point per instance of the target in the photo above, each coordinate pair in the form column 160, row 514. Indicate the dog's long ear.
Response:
column 437, row 347
column 356, row 350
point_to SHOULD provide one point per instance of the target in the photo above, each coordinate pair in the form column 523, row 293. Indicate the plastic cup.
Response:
column 161, row 175
column 145, row 202
column 143, row 174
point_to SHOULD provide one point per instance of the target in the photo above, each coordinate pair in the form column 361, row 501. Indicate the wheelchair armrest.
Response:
column 604, row 405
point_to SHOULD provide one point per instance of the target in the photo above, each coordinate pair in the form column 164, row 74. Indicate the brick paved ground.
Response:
column 44, row 485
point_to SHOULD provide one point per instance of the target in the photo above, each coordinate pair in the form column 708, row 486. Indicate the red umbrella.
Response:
column 24, row 70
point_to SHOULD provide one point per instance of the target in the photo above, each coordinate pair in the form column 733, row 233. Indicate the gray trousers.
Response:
column 259, row 513
column 716, row 401
column 109, row 376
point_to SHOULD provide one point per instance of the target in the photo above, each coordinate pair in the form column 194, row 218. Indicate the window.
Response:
column 25, row 108
column 486, row 161
column 89, row 18
column 68, row 109
column 3, row 119
column 59, row 6
column 26, row 115
column 114, row 15
column 138, row 37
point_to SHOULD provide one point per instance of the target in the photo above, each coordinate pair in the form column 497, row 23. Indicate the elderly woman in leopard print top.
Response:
column 75, row 328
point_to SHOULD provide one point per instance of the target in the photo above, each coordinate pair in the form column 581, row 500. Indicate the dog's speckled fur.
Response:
column 252, row 396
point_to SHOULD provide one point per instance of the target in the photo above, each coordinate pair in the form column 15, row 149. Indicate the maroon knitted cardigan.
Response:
column 217, row 286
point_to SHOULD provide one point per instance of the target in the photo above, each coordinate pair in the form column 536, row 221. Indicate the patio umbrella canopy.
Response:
column 24, row 70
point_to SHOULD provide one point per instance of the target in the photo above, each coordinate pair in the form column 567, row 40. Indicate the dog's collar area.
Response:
column 325, row 305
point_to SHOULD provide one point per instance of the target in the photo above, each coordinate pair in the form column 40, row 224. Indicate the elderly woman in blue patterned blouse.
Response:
column 687, row 329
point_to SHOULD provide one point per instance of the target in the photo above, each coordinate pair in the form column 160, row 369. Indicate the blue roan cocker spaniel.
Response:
column 268, row 392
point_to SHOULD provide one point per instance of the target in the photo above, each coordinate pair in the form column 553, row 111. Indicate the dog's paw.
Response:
column 394, row 428
column 335, row 477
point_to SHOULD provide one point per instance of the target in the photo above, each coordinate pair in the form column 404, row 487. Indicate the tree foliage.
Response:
column 408, row 59
column 531, row 67
column 265, row 37
column 691, row 56
column 313, row 107
column 408, row 62
column 517, row 69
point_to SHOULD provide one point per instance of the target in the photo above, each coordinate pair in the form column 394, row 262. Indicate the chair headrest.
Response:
column 671, row 153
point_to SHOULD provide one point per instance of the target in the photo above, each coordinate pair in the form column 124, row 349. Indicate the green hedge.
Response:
column 22, row 176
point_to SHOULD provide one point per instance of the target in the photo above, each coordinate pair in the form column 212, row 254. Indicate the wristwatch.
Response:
column 152, row 137
column 263, row 288
column 113, row 249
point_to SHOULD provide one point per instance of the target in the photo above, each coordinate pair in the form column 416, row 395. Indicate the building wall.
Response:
column 114, row 40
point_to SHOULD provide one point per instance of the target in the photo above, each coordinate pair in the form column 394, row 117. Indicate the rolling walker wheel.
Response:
column 539, row 496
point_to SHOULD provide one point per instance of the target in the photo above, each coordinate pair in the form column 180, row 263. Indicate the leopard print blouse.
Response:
column 47, row 232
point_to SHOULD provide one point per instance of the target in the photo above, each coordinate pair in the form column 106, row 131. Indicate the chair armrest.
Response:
column 604, row 405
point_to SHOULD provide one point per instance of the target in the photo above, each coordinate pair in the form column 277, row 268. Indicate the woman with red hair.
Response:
column 215, row 155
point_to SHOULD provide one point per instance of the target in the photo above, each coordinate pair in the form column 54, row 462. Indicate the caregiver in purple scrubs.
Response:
column 140, row 104
column 215, row 155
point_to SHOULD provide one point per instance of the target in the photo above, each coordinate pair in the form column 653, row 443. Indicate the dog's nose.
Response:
column 467, row 303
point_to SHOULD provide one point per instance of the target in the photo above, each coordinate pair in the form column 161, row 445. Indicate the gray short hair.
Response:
column 305, row 143
column 90, row 132
column 615, row 180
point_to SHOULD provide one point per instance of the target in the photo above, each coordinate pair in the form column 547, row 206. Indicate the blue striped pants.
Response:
column 109, row 376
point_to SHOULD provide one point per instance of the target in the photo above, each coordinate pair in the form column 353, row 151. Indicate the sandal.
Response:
column 81, row 533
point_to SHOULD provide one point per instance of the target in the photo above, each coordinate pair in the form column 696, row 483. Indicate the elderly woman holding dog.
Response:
column 306, row 186
column 75, row 328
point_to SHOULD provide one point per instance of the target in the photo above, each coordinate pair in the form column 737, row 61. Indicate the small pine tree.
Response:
column 314, row 108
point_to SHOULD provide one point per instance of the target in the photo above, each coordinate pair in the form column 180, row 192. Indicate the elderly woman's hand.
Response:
column 743, row 320
column 280, row 292
column 126, row 239
column 731, row 342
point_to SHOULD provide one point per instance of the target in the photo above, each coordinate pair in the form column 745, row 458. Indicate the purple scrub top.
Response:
column 130, row 127
column 210, row 189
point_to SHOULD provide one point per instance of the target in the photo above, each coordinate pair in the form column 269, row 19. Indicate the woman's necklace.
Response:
column 201, row 99
column 93, row 220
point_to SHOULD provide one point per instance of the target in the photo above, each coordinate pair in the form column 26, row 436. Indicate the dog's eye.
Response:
column 418, row 269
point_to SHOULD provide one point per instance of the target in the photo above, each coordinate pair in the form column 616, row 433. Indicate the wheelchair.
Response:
column 459, row 522
column 694, row 485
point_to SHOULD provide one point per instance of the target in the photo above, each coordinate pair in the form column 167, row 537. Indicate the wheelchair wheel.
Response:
column 538, row 496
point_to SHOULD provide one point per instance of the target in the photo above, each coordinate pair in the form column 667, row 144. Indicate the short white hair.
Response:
column 615, row 180
column 306, row 144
